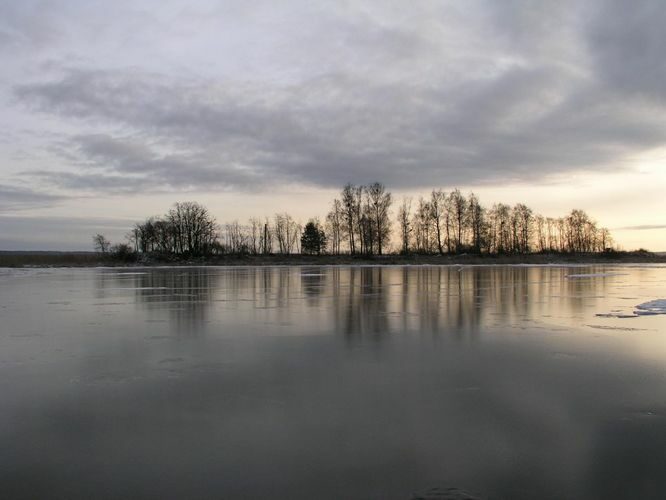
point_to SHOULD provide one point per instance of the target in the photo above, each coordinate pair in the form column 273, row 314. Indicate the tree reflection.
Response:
column 313, row 283
column 360, row 302
column 185, row 293
column 456, row 301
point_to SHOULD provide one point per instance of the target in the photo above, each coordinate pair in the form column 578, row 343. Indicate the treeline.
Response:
column 187, row 229
column 452, row 223
column 360, row 223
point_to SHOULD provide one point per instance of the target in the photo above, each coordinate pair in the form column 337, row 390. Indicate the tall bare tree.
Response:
column 379, row 204
column 350, row 214
column 437, row 212
column 459, row 211
column 287, row 232
column 194, row 228
column 476, row 222
column 100, row 243
column 335, row 226
column 256, row 228
column 404, row 222
column 522, row 228
column 266, row 242
column 422, row 224
column 500, row 228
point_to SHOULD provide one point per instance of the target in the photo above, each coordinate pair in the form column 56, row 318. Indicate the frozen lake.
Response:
column 333, row 382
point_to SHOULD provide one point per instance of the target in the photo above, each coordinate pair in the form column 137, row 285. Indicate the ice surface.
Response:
column 657, row 306
column 235, row 354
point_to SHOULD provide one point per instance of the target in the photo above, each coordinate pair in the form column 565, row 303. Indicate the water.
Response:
column 332, row 382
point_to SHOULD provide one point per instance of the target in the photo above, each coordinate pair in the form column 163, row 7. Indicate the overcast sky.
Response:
column 112, row 111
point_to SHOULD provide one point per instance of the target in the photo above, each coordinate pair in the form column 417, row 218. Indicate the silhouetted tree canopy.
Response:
column 187, row 229
column 359, row 222
column 100, row 243
column 313, row 239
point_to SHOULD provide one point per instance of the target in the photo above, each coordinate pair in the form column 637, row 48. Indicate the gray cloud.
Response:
column 28, row 25
column 125, row 165
column 16, row 197
column 536, row 90
column 644, row 227
column 627, row 42
column 521, row 125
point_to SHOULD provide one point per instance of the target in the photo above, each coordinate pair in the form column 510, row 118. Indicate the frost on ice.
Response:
column 593, row 275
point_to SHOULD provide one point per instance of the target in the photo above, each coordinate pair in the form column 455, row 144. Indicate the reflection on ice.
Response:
column 332, row 382
column 374, row 300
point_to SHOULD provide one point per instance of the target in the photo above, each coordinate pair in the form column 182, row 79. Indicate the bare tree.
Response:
column 500, row 228
column 360, row 223
column 379, row 203
column 448, row 225
column 404, row 222
column 335, row 226
column 605, row 240
column 133, row 238
column 541, row 235
column 286, row 232
column 458, row 210
column 100, row 243
column 193, row 227
column 237, row 238
column 349, row 213
column 522, row 228
column 188, row 228
column 266, row 242
column 437, row 212
column 366, row 228
column 256, row 228
column 422, row 224
column 576, row 223
column 476, row 218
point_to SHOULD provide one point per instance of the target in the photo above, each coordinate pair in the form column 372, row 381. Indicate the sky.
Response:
column 113, row 111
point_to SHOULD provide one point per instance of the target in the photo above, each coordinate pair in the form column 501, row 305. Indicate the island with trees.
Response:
column 365, row 225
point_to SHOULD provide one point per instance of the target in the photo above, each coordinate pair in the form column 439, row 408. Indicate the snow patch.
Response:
column 617, row 328
column 652, row 307
column 615, row 315
column 593, row 275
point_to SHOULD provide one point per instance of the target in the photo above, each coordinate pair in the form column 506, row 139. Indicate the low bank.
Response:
column 90, row 259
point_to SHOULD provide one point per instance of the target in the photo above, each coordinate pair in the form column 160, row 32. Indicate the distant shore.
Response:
column 90, row 259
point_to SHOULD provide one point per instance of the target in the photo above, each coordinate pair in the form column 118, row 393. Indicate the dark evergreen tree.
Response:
column 313, row 239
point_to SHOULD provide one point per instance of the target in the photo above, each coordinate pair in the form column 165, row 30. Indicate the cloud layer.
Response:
column 16, row 198
column 250, row 97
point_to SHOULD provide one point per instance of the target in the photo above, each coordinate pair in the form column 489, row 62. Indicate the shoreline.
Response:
column 79, row 259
